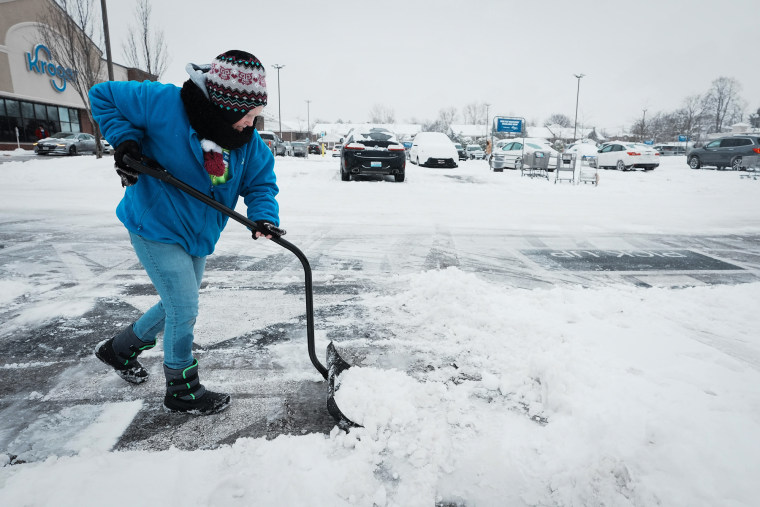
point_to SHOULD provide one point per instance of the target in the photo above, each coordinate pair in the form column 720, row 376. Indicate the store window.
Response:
column 34, row 120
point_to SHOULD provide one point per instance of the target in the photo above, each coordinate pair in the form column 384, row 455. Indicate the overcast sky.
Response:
column 419, row 56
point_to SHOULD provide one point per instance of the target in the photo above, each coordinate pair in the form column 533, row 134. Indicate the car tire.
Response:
column 518, row 164
column 73, row 150
column 736, row 164
column 418, row 162
column 499, row 170
column 620, row 165
column 694, row 162
column 399, row 178
column 344, row 176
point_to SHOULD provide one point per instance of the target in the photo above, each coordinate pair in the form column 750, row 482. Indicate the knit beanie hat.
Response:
column 236, row 83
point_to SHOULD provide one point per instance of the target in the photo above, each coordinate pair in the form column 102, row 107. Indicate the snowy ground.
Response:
column 484, row 377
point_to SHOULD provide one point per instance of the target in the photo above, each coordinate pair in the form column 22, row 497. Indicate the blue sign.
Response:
column 683, row 139
column 49, row 68
column 649, row 141
column 509, row 124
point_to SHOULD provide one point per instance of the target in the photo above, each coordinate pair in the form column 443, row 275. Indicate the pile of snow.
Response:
column 480, row 394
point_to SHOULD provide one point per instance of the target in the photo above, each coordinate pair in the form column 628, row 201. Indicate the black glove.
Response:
column 127, row 174
column 267, row 228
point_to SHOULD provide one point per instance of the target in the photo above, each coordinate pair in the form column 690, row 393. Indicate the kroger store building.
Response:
column 34, row 88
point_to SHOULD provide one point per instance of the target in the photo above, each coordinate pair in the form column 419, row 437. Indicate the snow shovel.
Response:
column 335, row 364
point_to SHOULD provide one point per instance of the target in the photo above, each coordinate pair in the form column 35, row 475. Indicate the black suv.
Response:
column 725, row 152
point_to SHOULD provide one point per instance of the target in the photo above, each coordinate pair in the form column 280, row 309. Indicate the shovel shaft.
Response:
column 163, row 175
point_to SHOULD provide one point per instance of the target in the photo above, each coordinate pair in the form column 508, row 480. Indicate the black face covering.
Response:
column 208, row 121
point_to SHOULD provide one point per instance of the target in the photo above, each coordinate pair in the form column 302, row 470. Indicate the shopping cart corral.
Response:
column 535, row 164
column 752, row 166
column 565, row 168
column 588, row 172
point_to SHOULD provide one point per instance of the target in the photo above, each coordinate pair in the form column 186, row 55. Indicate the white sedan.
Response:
column 433, row 149
column 624, row 156
column 510, row 153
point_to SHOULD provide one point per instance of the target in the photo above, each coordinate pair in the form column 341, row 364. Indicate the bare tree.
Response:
column 68, row 29
column 692, row 114
column 559, row 119
column 475, row 113
column 447, row 115
column 146, row 47
column 382, row 114
column 722, row 103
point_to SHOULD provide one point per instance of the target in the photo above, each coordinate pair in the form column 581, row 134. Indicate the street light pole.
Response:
column 308, row 121
column 577, row 96
column 643, row 125
column 487, row 106
column 279, row 102
column 106, row 33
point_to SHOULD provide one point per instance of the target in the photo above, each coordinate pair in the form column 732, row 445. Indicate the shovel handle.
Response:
column 151, row 168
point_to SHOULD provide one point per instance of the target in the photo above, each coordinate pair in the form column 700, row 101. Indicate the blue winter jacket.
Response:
column 153, row 114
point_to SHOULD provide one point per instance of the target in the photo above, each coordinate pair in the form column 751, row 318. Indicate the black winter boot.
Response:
column 185, row 393
column 120, row 353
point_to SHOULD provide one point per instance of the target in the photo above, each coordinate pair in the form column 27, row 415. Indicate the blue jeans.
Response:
column 176, row 275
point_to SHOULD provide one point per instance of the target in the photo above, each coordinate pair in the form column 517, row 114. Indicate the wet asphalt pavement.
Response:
column 51, row 381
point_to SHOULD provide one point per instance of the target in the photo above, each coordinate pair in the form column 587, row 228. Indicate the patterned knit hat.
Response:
column 236, row 83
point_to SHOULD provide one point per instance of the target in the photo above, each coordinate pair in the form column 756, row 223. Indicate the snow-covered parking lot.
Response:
column 488, row 372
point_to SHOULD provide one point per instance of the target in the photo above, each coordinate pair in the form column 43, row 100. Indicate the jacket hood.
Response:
column 197, row 75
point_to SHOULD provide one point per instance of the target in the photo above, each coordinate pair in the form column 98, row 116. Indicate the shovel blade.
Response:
column 335, row 366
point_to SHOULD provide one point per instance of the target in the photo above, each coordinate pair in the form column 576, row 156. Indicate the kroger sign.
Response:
column 34, row 64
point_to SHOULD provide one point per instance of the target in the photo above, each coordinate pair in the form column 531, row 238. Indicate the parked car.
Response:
column 624, row 156
column 300, row 148
column 288, row 148
column 584, row 151
column 315, row 149
column 670, row 149
column 107, row 148
column 474, row 151
column 725, row 152
column 275, row 143
column 336, row 150
column 433, row 149
column 65, row 143
column 461, row 151
column 372, row 150
column 509, row 153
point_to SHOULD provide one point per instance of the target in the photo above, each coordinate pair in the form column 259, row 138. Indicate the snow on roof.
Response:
column 556, row 131
column 469, row 130
column 341, row 129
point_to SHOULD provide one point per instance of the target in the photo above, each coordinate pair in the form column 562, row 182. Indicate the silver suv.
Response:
column 274, row 142
column 725, row 152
